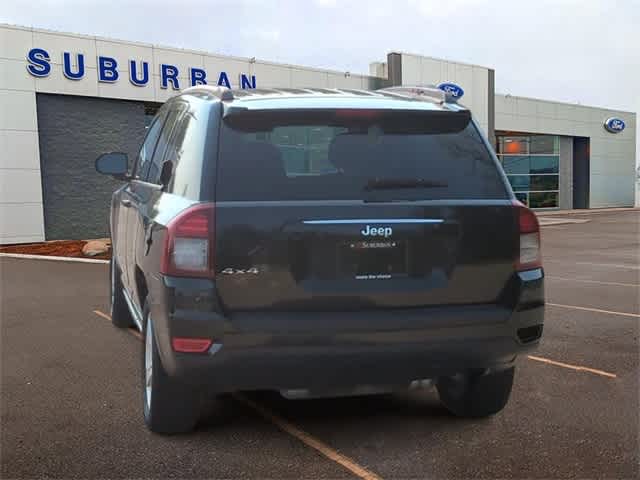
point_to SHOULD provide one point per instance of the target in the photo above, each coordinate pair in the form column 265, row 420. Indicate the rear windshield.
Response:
column 354, row 156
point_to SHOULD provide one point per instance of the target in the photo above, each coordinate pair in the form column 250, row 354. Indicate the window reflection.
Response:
column 545, row 164
column 543, row 199
column 516, row 164
column 519, row 182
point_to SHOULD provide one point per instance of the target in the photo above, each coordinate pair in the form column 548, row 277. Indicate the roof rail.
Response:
column 223, row 93
column 418, row 91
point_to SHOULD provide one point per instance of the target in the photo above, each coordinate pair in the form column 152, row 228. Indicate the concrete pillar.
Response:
column 565, row 201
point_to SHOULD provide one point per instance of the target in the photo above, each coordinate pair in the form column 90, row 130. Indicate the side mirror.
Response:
column 115, row 164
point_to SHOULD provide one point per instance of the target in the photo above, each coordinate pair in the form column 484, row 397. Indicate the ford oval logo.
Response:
column 455, row 90
column 614, row 125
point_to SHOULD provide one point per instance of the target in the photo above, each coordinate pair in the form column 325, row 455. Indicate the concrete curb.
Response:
column 55, row 259
column 586, row 211
column 550, row 221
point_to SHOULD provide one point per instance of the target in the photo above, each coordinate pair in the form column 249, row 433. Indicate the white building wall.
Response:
column 21, row 213
column 474, row 80
column 21, row 218
column 612, row 156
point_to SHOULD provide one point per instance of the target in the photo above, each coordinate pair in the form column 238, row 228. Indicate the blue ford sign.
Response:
column 455, row 90
column 109, row 69
column 614, row 125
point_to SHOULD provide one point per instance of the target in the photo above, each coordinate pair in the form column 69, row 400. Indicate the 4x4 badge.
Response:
column 241, row 271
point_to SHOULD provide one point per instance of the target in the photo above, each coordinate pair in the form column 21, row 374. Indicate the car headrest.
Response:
column 352, row 153
column 260, row 162
column 342, row 149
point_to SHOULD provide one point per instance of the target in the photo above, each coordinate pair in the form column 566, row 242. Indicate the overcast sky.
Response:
column 585, row 51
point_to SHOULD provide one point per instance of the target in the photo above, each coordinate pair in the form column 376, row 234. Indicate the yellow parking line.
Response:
column 599, row 282
column 572, row 367
column 610, row 265
column 308, row 440
column 597, row 310
column 135, row 333
column 103, row 315
column 132, row 331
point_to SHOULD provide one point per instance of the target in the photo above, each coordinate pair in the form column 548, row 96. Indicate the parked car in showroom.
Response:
column 321, row 242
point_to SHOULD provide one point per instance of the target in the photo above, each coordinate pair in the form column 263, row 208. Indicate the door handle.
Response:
column 126, row 203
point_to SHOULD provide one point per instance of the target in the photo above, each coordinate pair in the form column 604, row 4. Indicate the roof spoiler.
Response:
column 428, row 92
column 223, row 93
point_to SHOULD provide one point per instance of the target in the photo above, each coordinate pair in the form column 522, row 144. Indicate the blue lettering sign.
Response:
column 245, row 82
column 133, row 73
column 198, row 76
column 169, row 73
column 107, row 70
column 223, row 80
column 66, row 66
column 74, row 68
column 39, row 65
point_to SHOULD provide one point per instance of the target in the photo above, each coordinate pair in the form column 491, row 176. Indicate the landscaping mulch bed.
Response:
column 59, row 248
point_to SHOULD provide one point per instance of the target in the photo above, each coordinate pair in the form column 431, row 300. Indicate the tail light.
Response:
column 530, row 255
column 188, row 248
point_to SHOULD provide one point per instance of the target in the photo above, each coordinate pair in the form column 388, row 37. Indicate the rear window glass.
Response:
column 344, row 158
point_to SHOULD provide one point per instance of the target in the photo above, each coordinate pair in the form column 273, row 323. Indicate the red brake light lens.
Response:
column 188, row 248
column 530, row 255
column 528, row 221
column 357, row 113
column 196, row 224
column 190, row 345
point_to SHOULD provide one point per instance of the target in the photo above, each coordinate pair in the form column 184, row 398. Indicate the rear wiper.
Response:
column 393, row 183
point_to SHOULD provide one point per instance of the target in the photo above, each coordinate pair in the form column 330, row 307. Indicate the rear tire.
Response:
column 476, row 394
column 169, row 405
column 120, row 314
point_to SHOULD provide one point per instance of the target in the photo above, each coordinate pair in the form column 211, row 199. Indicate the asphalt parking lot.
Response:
column 71, row 403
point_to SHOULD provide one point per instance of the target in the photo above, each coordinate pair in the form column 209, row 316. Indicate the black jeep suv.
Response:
column 321, row 242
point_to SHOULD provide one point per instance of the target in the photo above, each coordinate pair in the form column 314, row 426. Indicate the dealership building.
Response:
column 66, row 98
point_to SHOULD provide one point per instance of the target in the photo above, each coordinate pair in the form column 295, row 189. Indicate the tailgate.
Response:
column 289, row 257
column 356, row 209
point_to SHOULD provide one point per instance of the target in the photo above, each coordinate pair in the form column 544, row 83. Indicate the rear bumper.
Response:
column 287, row 350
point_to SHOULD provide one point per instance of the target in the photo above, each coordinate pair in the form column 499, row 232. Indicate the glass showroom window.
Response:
column 532, row 165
